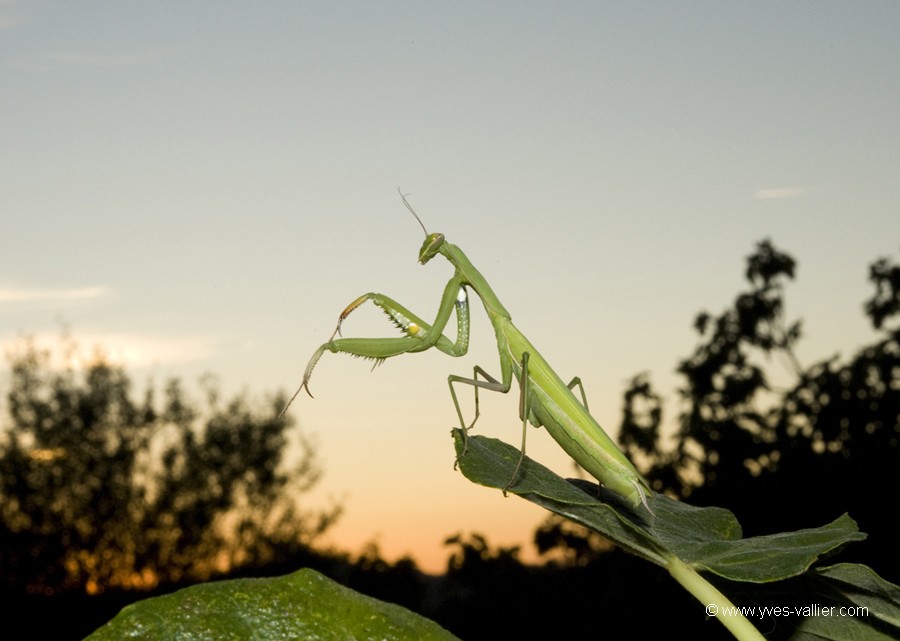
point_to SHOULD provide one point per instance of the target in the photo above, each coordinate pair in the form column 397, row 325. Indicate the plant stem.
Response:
column 717, row 604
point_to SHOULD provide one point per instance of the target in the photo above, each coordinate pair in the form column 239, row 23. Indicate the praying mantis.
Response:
column 544, row 399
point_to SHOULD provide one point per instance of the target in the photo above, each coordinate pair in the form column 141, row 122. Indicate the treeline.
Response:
column 783, row 459
column 106, row 498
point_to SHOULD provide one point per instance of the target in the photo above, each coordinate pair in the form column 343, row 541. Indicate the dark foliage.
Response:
column 784, row 459
column 99, row 492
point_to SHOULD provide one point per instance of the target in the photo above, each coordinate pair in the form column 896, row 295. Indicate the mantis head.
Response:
column 430, row 247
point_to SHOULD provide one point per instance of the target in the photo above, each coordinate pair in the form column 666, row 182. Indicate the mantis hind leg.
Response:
column 576, row 382
column 524, row 412
column 642, row 495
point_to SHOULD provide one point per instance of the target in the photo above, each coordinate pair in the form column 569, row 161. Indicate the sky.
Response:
column 203, row 187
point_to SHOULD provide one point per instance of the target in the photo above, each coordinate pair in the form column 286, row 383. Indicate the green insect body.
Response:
column 544, row 399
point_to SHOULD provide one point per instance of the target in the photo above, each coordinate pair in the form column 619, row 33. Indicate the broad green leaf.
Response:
column 491, row 462
column 840, row 602
column 761, row 559
column 303, row 605
column 706, row 538
column 860, row 586
column 772, row 571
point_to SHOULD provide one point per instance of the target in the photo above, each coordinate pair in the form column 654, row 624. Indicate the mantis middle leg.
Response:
column 503, row 386
column 492, row 384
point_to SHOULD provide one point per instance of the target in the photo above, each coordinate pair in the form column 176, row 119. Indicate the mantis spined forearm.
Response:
column 544, row 399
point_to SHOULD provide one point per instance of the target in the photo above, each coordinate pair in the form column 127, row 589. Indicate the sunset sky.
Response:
column 204, row 186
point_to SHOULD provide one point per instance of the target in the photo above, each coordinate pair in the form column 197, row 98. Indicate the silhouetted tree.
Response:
column 573, row 545
column 488, row 593
column 838, row 433
column 100, row 491
column 781, row 459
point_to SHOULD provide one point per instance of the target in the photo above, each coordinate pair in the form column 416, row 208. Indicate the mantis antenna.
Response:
column 411, row 210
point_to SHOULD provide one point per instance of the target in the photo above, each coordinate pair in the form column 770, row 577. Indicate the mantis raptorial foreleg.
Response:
column 419, row 334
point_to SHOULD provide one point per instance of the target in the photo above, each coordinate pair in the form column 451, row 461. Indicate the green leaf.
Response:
column 840, row 602
column 302, row 605
column 706, row 538
column 775, row 571
column 760, row 559
column 859, row 586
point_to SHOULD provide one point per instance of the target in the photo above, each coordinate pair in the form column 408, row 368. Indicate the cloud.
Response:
column 137, row 350
column 13, row 295
column 105, row 60
column 780, row 192
column 130, row 350
column 6, row 8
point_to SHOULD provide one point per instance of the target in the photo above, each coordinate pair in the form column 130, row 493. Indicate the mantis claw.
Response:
column 344, row 314
column 337, row 330
column 465, row 448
